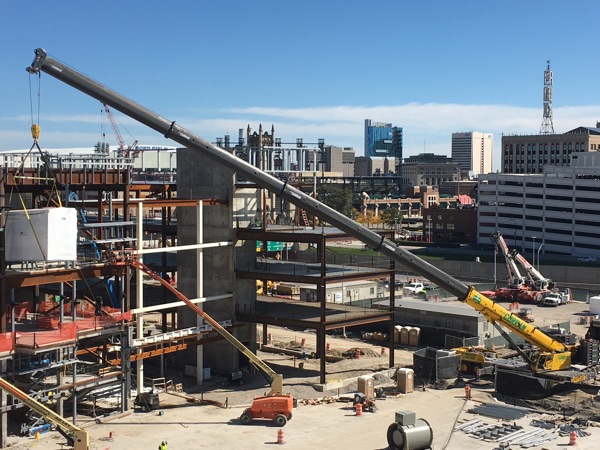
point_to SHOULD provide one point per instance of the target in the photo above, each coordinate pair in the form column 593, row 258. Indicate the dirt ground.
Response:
column 302, row 382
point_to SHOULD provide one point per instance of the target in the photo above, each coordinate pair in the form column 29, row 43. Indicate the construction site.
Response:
column 205, row 298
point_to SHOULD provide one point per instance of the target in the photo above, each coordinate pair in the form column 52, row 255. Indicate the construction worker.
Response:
column 163, row 445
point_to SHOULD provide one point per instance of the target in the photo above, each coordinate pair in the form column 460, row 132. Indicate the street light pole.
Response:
column 495, row 255
column 514, row 233
column 429, row 220
column 538, row 255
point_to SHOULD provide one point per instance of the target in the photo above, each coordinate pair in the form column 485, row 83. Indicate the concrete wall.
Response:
column 200, row 177
column 579, row 277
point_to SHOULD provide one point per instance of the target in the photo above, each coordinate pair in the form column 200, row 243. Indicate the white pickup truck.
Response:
column 413, row 288
column 555, row 299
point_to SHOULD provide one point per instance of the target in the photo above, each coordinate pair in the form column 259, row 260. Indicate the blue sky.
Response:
column 313, row 69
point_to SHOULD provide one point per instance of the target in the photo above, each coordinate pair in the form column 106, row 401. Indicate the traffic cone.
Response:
column 468, row 392
column 573, row 438
column 280, row 436
column 359, row 409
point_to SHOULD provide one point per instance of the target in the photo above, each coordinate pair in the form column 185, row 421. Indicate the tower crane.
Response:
column 123, row 149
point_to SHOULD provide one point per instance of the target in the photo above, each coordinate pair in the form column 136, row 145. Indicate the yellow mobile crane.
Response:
column 75, row 436
column 554, row 358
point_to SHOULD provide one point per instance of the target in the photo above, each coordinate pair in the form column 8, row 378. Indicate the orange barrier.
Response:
column 359, row 409
column 36, row 339
column 468, row 392
column 280, row 437
column 573, row 438
column 50, row 334
column 7, row 342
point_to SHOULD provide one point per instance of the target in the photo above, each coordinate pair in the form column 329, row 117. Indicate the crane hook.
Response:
column 35, row 131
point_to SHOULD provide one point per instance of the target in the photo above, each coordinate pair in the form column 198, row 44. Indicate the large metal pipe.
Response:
column 171, row 130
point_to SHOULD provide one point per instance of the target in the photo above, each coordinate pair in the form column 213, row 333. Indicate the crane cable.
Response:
column 35, row 133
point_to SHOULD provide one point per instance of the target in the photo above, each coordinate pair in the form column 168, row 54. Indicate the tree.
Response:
column 391, row 216
column 336, row 197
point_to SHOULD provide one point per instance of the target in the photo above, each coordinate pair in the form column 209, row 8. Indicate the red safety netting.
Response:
column 36, row 339
column 51, row 332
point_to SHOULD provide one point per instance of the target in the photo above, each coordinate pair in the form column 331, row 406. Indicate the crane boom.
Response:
column 557, row 356
column 77, row 437
column 539, row 281
column 515, row 278
column 115, row 128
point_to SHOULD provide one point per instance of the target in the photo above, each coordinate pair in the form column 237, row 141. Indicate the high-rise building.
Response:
column 383, row 139
column 473, row 151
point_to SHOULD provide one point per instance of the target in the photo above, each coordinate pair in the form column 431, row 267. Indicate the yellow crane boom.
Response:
column 77, row 437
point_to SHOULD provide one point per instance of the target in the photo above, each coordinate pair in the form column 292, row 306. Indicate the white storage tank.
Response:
column 595, row 305
column 48, row 234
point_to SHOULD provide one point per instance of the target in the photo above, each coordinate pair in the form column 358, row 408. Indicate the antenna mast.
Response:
column 547, row 126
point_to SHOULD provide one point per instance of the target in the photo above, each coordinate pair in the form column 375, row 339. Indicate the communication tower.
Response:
column 547, row 126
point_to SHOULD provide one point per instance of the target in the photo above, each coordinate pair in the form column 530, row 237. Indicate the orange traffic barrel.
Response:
column 359, row 409
column 573, row 438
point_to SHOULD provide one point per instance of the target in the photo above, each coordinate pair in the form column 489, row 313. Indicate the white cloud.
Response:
column 427, row 127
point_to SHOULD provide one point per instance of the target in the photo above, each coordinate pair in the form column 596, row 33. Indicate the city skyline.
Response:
column 311, row 78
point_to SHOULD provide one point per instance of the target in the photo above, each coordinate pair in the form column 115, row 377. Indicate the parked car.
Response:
column 413, row 288
column 398, row 285
column 587, row 259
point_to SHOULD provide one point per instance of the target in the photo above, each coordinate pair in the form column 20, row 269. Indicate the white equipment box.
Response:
column 48, row 234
